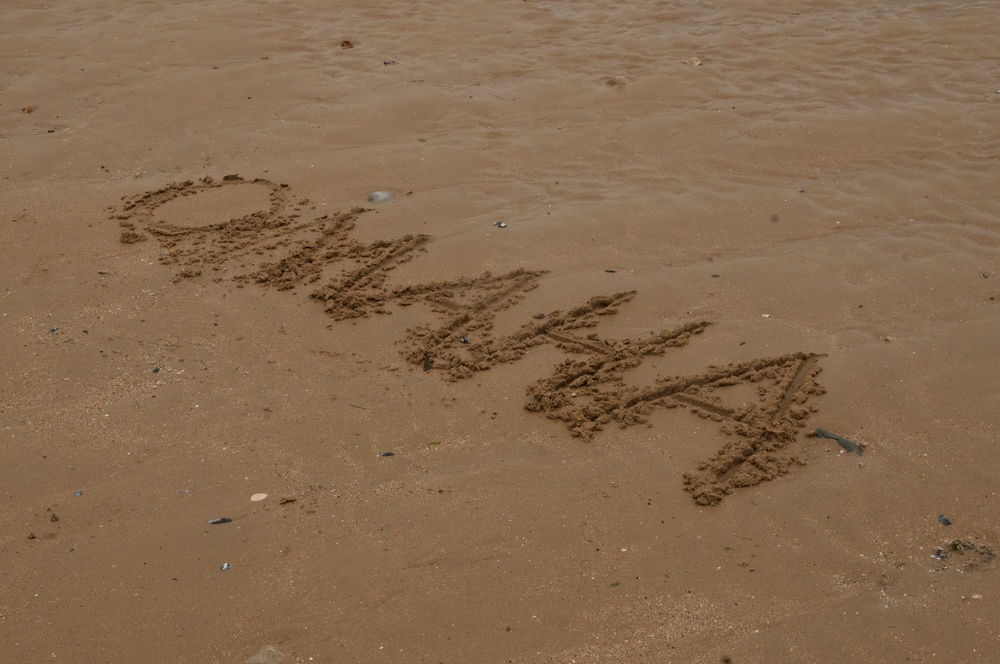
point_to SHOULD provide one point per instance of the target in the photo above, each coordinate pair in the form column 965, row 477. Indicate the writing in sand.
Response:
column 276, row 248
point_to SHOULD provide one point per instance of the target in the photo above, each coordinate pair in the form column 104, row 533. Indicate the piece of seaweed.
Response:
column 848, row 445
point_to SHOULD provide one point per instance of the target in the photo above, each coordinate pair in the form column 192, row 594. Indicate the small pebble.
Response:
column 225, row 566
column 156, row 369
column 465, row 340
column 386, row 454
column 257, row 497
column 499, row 224
column 380, row 197
column 78, row 493
column 224, row 519
column 943, row 520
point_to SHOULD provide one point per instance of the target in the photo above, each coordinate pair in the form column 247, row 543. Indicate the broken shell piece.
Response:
column 694, row 62
column 380, row 197
column 499, row 224
column 257, row 497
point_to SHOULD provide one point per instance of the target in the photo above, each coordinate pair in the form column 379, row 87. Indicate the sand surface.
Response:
column 723, row 226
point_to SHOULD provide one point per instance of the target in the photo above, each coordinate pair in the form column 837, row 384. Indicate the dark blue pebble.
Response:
column 943, row 520
column 386, row 454
column 78, row 493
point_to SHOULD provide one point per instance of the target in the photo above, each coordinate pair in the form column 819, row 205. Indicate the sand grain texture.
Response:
column 726, row 225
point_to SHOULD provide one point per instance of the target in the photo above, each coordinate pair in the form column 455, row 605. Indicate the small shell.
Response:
column 225, row 566
column 380, row 197
column 257, row 497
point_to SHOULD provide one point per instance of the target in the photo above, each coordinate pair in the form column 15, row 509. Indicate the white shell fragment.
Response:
column 257, row 497
column 380, row 197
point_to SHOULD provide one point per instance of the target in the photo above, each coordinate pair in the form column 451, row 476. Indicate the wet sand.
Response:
column 721, row 228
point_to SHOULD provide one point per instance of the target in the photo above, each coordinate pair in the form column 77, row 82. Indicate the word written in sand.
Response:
column 275, row 247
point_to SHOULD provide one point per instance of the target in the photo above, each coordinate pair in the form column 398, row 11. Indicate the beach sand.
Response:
column 722, row 226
